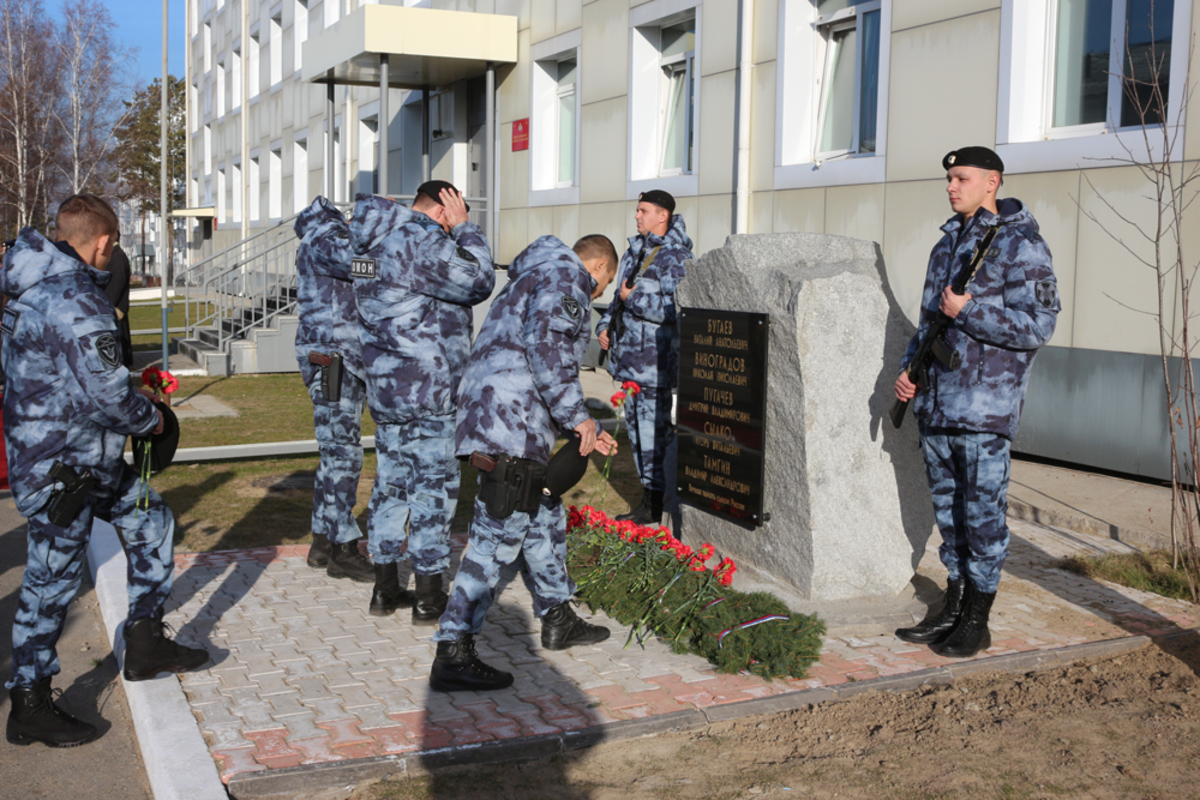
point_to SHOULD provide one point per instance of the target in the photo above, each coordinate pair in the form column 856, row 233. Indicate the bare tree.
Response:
column 28, row 96
column 1159, row 246
column 94, row 80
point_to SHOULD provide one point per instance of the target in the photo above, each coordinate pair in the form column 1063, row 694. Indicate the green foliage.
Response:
column 650, row 581
column 138, row 146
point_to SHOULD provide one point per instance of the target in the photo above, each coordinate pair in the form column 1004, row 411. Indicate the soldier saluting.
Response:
column 968, row 402
column 417, row 272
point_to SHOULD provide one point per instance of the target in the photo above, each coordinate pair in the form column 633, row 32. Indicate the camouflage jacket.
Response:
column 1013, row 307
column 325, row 295
column 415, row 285
column 67, row 396
column 648, row 349
column 522, row 385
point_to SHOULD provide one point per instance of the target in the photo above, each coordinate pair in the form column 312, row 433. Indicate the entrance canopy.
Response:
column 425, row 47
column 395, row 47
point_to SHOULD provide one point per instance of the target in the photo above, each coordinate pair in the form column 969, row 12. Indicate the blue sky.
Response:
column 139, row 24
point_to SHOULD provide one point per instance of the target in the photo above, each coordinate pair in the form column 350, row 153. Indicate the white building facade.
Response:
column 760, row 116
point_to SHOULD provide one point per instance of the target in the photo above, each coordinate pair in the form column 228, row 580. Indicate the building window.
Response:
column 207, row 45
column 300, row 35
column 568, row 112
column 332, row 12
column 1095, row 83
column 219, row 87
column 208, row 150
column 849, row 100
column 235, row 185
column 368, row 151
column 300, row 175
column 677, row 45
column 664, row 95
column 276, row 45
column 275, row 183
column 254, row 186
column 221, row 189
column 1078, row 78
column 236, row 78
column 253, row 72
column 831, row 101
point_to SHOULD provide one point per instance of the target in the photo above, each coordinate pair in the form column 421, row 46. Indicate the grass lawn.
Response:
column 237, row 504
column 143, row 317
column 1149, row 571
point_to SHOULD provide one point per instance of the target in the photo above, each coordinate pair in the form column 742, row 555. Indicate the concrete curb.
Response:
column 175, row 754
column 1143, row 540
column 326, row 780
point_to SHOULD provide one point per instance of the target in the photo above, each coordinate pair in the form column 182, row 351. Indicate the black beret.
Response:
column 980, row 157
column 659, row 198
column 163, row 445
column 433, row 190
column 566, row 468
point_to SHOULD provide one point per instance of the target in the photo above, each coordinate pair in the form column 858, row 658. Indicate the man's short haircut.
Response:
column 597, row 245
column 85, row 218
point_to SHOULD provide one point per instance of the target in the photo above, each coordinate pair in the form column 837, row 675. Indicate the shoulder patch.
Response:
column 993, row 252
column 8, row 323
column 109, row 350
column 1046, row 293
column 466, row 255
column 571, row 307
column 362, row 268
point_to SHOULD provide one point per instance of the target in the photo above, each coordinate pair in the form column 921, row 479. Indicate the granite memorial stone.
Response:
column 846, row 507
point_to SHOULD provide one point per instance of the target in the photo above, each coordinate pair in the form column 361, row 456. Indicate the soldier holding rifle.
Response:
column 638, row 330
column 990, row 301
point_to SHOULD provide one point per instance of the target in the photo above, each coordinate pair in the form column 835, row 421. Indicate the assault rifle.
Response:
column 616, row 323
column 932, row 345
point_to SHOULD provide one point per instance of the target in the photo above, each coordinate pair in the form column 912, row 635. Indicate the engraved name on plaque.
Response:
column 721, row 412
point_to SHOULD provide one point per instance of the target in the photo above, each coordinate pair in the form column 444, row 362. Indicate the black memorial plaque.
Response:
column 721, row 412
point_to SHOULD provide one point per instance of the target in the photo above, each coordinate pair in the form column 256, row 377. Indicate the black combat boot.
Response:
column 936, row 627
column 562, row 628
column 318, row 554
column 971, row 634
column 388, row 594
column 656, row 507
column 35, row 718
column 457, row 668
column 430, row 599
column 641, row 512
column 148, row 651
column 345, row 561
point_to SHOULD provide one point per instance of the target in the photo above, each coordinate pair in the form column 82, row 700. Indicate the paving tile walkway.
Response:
column 302, row 675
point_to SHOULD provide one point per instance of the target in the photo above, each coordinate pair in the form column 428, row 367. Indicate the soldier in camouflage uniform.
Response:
column 417, row 272
column 969, row 416
column 328, row 334
column 68, row 408
column 520, row 390
column 639, row 332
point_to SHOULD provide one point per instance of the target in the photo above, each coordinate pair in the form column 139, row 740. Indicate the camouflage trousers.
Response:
column 339, row 436
column 415, row 493
column 651, row 434
column 55, row 565
column 539, row 539
column 968, row 478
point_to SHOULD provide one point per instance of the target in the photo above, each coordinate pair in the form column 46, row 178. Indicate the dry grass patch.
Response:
column 1150, row 571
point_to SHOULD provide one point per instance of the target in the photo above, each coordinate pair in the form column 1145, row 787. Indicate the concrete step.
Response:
column 210, row 359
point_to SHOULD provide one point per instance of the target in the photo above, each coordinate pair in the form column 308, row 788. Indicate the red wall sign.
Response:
column 521, row 135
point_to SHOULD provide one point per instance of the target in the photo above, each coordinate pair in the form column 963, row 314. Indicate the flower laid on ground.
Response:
column 646, row 578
